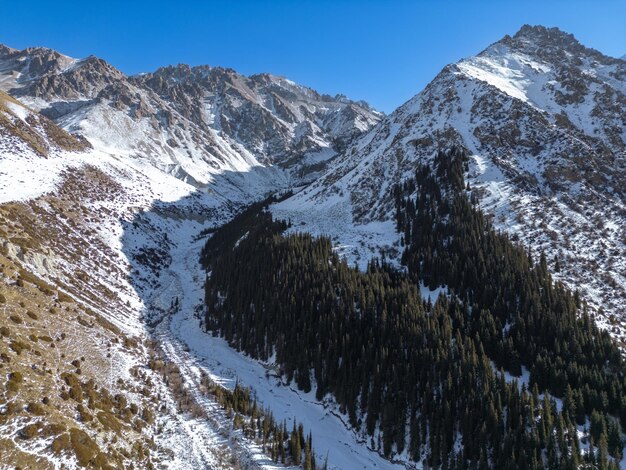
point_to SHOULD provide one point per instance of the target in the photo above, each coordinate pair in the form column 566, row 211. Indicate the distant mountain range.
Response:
column 193, row 122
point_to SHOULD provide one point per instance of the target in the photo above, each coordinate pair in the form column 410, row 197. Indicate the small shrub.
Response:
column 84, row 447
column 19, row 346
column 12, row 387
column 147, row 415
column 76, row 392
column 109, row 421
column 85, row 416
column 63, row 297
column 12, row 408
column 35, row 409
column 53, row 429
column 29, row 431
column 61, row 443
column 14, row 382
column 83, row 322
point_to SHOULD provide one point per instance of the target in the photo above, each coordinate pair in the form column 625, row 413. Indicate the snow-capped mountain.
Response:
column 544, row 118
column 193, row 122
column 110, row 206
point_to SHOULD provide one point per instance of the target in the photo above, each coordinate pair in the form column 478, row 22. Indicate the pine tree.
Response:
column 295, row 448
column 614, row 440
column 603, row 462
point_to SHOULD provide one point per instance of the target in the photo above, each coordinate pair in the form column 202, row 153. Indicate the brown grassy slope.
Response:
column 38, row 132
column 72, row 384
column 59, row 366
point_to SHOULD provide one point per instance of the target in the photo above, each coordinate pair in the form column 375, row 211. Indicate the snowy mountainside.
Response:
column 544, row 119
column 111, row 233
column 86, row 240
column 193, row 122
column 271, row 116
column 116, row 227
column 20, row 125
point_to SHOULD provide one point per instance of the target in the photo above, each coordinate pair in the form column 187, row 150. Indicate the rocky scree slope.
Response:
column 544, row 119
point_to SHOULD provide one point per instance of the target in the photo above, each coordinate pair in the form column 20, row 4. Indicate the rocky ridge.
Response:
column 194, row 122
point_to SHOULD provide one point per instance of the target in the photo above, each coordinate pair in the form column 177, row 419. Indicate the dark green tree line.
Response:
column 420, row 376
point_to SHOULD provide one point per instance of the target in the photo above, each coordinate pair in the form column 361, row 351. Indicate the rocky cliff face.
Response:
column 277, row 119
column 544, row 118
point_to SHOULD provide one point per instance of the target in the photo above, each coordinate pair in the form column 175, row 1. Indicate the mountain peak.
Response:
column 534, row 38
column 550, row 44
column 6, row 50
column 544, row 34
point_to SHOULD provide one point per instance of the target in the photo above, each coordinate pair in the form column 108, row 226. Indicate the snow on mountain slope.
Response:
column 545, row 120
column 273, row 117
column 106, row 225
column 195, row 123
column 94, row 227
column 127, row 252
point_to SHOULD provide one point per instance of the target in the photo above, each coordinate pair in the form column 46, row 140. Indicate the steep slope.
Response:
column 276, row 119
column 76, row 389
column 86, row 249
column 19, row 124
column 416, row 377
column 195, row 123
column 544, row 119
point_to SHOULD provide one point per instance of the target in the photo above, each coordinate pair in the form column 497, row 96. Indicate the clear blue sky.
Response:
column 380, row 51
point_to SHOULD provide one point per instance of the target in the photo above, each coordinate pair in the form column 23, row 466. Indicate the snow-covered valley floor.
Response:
column 149, row 224
column 193, row 350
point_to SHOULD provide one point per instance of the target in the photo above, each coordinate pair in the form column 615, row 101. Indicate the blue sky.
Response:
column 380, row 51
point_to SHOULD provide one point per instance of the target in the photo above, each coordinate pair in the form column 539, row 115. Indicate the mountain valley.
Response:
column 112, row 185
